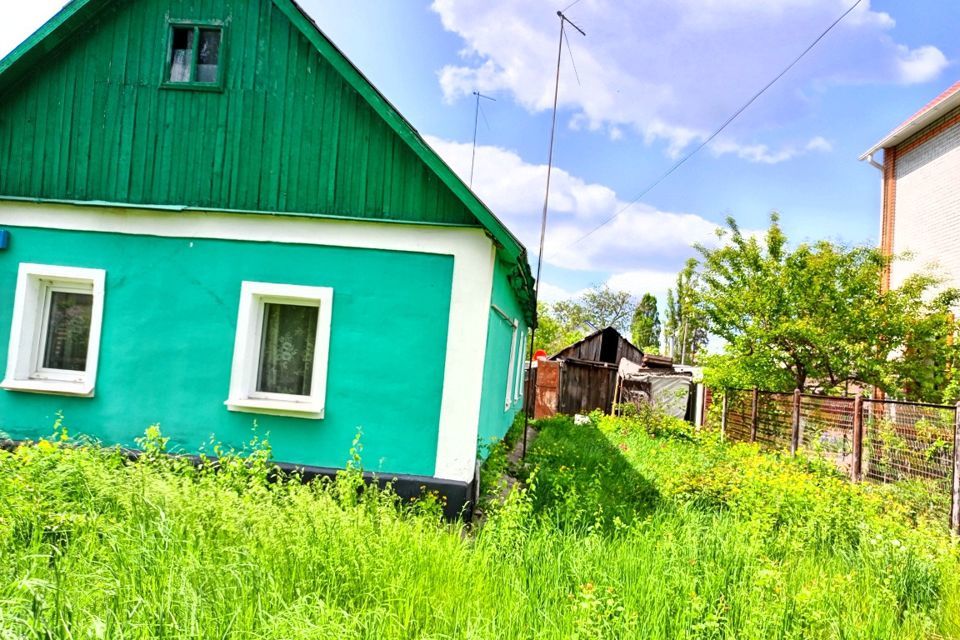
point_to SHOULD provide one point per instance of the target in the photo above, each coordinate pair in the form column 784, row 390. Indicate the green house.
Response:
column 211, row 221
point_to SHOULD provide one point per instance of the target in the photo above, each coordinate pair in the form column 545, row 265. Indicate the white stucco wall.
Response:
column 927, row 218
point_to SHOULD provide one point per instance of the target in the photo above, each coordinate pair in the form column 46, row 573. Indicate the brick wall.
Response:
column 927, row 210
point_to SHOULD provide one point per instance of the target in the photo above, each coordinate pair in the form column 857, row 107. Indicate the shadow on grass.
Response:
column 583, row 479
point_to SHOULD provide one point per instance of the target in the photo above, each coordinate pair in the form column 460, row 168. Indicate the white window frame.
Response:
column 521, row 366
column 508, row 401
column 246, row 354
column 31, row 317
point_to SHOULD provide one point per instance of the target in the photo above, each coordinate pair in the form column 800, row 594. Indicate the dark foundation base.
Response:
column 457, row 497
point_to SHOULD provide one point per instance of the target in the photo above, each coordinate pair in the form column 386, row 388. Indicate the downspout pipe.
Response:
column 873, row 163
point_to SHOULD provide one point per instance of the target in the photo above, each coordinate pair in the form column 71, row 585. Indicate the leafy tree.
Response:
column 814, row 316
column 686, row 326
column 554, row 332
column 928, row 370
column 565, row 322
column 597, row 308
column 645, row 327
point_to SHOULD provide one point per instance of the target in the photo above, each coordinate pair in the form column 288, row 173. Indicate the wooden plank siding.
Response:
column 287, row 134
column 605, row 345
column 586, row 387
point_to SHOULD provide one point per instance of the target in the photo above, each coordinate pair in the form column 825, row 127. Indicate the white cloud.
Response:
column 920, row 65
column 819, row 143
column 507, row 183
column 671, row 72
column 762, row 153
column 513, row 189
column 637, row 236
column 636, row 283
column 645, row 281
column 553, row 293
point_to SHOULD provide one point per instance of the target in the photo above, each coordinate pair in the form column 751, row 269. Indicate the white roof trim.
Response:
column 915, row 125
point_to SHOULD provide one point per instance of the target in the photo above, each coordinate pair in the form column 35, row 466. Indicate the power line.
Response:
column 723, row 126
column 564, row 20
column 476, row 121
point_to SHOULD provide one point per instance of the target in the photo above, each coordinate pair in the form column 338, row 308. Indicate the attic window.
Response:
column 194, row 58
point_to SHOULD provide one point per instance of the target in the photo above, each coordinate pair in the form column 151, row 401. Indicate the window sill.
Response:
column 55, row 387
column 308, row 410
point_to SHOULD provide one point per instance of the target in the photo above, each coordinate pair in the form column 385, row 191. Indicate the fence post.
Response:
column 955, row 498
column 723, row 416
column 856, row 466
column 795, row 432
column 754, row 415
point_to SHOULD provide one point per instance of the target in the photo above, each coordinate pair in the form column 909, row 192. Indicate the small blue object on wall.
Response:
column 4, row 239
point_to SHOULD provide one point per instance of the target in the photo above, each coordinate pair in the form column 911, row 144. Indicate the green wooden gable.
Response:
column 290, row 127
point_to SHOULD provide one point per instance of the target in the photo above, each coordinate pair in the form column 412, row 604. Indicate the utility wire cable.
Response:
column 483, row 114
column 572, row 61
column 476, row 120
column 723, row 126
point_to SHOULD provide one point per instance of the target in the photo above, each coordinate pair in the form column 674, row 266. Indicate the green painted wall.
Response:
column 494, row 419
column 287, row 134
column 170, row 317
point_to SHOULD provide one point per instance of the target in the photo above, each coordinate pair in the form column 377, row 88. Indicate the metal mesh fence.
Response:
column 897, row 440
column 826, row 429
column 739, row 411
column 775, row 420
column 908, row 441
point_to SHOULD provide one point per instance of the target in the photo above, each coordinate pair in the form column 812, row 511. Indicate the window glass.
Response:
column 522, row 366
column 68, row 331
column 209, row 55
column 287, row 349
column 181, row 61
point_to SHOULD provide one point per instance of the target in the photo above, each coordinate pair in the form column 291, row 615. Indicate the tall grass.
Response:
column 631, row 528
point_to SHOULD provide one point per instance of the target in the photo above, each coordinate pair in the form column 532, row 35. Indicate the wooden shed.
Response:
column 603, row 346
column 583, row 376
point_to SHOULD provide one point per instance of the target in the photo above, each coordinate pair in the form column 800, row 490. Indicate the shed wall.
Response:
column 586, row 387
column 606, row 345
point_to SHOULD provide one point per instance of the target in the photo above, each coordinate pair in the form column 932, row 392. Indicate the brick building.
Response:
column 921, row 191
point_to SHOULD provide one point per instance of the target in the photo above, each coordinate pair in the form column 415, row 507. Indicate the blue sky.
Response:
column 655, row 77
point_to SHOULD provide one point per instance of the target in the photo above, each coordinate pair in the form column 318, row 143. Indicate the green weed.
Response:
column 625, row 528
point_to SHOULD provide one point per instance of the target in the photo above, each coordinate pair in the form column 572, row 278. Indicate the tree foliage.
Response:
column 597, row 308
column 814, row 317
column 645, row 327
column 565, row 322
column 686, row 329
column 553, row 331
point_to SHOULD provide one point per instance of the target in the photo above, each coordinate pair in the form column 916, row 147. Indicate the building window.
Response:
column 55, row 335
column 194, row 58
column 281, row 350
column 521, row 366
column 513, row 357
column 286, row 349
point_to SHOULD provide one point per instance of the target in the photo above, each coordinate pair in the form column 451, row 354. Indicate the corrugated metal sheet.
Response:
column 287, row 134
